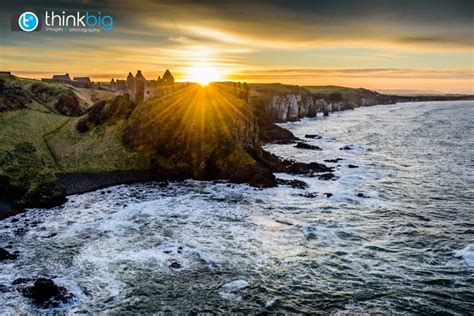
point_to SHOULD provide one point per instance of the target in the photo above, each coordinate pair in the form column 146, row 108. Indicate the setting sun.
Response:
column 203, row 74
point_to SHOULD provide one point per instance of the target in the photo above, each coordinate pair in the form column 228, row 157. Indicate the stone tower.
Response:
column 140, row 83
column 131, row 86
column 168, row 79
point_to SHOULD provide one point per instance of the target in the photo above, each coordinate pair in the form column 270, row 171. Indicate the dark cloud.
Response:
column 402, row 21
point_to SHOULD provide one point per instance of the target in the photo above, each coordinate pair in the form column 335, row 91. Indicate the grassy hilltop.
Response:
column 39, row 138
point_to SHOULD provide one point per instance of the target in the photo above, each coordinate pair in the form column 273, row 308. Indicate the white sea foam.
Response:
column 467, row 254
column 232, row 289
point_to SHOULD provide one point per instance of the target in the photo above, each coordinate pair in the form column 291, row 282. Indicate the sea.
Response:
column 392, row 234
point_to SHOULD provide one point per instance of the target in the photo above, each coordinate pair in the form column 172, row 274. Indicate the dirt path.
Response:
column 49, row 135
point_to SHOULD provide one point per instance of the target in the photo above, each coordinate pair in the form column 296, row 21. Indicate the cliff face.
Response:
column 202, row 133
column 290, row 107
column 283, row 103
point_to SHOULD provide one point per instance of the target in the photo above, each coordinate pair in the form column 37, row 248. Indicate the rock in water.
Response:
column 352, row 166
column 327, row 176
column 5, row 255
column 310, row 195
column 175, row 265
column 21, row 281
column 296, row 184
column 46, row 294
column 362, row 195
column 347, row 147
column 307, row 146
column 313, row 136
column 333, row 160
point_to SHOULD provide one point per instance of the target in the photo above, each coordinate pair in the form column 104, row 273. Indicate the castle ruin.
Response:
column 140, row 89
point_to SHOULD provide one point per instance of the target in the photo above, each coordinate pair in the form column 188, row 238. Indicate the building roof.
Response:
column 82, row 79
column 62, row 77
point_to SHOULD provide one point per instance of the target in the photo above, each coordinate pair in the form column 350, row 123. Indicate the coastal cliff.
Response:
column 51, row 133
column 284, row 103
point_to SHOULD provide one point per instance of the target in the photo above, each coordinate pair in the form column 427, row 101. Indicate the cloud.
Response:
column 312, row 41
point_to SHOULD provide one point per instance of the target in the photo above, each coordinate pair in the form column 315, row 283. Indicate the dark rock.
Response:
column 328, row 194
column 313, row 136
column 327, row 176
column 48, row 195
column 270, row 132
column 46, row 294
column 347, row 147
column 307, row 146
column 352, row 166
column 9, row 191
column 51, row 235
column 362, row 195
column 21, row 231
column 5, row 255
column 277, row 164
column 255, row 175
column 282, row 142
column 175, row 265
column 4, row 288
column 306, row 168
column 167, row 251
column 310, row 195
column 14, row 220
column 21, row 281
column 163, row 184
column 296, row 184
column 333, row 160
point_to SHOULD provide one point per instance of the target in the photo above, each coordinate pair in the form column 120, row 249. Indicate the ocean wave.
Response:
column 467, row 254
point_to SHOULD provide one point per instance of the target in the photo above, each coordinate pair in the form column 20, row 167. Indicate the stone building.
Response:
column 131, row 86
column 141, row 89
column 168, row 79
column 140, row 84
column 82, row 82
column 79, row 82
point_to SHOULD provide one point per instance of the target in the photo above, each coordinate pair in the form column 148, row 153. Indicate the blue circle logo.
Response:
column 28, row 21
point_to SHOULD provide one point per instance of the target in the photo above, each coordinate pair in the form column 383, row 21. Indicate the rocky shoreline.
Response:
column 77, row 183
column 212, row 133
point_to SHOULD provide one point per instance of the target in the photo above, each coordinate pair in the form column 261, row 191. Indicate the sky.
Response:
column 377, row 44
